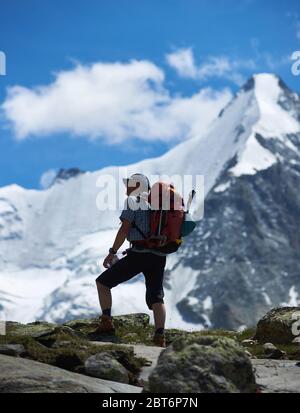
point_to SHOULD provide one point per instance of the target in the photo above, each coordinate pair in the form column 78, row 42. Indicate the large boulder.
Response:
column 35, row 330
column 273, row 352
column 19, row 375
column 203, row 364
column 105, row 366
column 279, row 326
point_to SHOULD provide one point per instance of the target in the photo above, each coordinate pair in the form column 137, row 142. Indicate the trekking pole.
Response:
column 190, row 200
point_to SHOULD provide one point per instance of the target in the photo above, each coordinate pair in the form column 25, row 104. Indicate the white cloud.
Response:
column 111, row 101
column 47, row 178
column 193, row 115
column 224, row 67
column 183, row 62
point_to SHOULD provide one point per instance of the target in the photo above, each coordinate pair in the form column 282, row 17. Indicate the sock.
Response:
column 160, row 331
column 107, row 312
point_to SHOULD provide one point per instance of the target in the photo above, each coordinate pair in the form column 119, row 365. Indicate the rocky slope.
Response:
column 43, row 357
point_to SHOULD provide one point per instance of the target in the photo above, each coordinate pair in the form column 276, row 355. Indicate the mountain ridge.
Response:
column 53, row 242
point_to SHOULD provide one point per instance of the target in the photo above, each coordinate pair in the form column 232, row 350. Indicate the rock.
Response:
column 18, row 375
column 35, row 330
column 296, row 340
column 65, row 174
column 269, row 347
column 104, row 366
column 49, row 339
column 277, row 376
column 203, row 364
column 277, row 355
column 132, row 320
column 149, row 353
column 67, row 331
column 87, row 326
column 80, row 323
column 63, row 347
column 273, row 352
column 277, row 326
column 12, row 349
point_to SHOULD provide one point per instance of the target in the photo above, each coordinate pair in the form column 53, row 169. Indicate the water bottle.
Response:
column 115, row 259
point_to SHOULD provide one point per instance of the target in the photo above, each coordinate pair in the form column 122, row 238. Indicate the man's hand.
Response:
column 108, row 261
column 120, row 238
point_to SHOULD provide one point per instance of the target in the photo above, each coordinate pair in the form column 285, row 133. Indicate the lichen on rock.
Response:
column 68, row 346
column 105, row 366
column 203, row 364
column 276, row 326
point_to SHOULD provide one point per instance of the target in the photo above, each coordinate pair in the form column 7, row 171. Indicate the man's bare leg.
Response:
column 159, row 313
column 106, row 324
column 104, row 295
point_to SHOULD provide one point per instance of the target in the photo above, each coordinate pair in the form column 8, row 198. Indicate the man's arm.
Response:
column 121, row 235
column 119, row 241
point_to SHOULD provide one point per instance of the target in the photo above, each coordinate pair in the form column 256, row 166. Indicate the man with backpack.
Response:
column 142, row 257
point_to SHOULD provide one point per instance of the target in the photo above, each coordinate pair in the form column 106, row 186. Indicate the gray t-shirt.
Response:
column 137, row 210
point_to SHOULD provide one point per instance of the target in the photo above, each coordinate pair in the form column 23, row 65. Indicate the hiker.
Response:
column 135, row 221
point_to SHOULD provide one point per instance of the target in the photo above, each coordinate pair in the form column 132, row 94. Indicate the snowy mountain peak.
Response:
column 276, row 116
column 253, row 82
column 270, row 92
column 267, row 89
column 265, row 77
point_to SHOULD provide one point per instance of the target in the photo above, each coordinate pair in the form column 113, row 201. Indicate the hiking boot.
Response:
column 106, row 325
column 159, row 340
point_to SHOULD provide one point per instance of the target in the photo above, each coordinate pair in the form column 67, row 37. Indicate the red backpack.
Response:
column 166, row 219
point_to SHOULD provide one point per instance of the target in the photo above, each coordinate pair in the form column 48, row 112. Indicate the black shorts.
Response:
column 134, row 263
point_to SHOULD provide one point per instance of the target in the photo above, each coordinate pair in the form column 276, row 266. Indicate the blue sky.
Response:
column 166, row 62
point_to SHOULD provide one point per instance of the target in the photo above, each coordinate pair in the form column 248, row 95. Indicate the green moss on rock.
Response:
column 63, row 347
column 135, row 324
column 36, row 329
column 276, row 326
column 203, row 364
column 105, row 366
